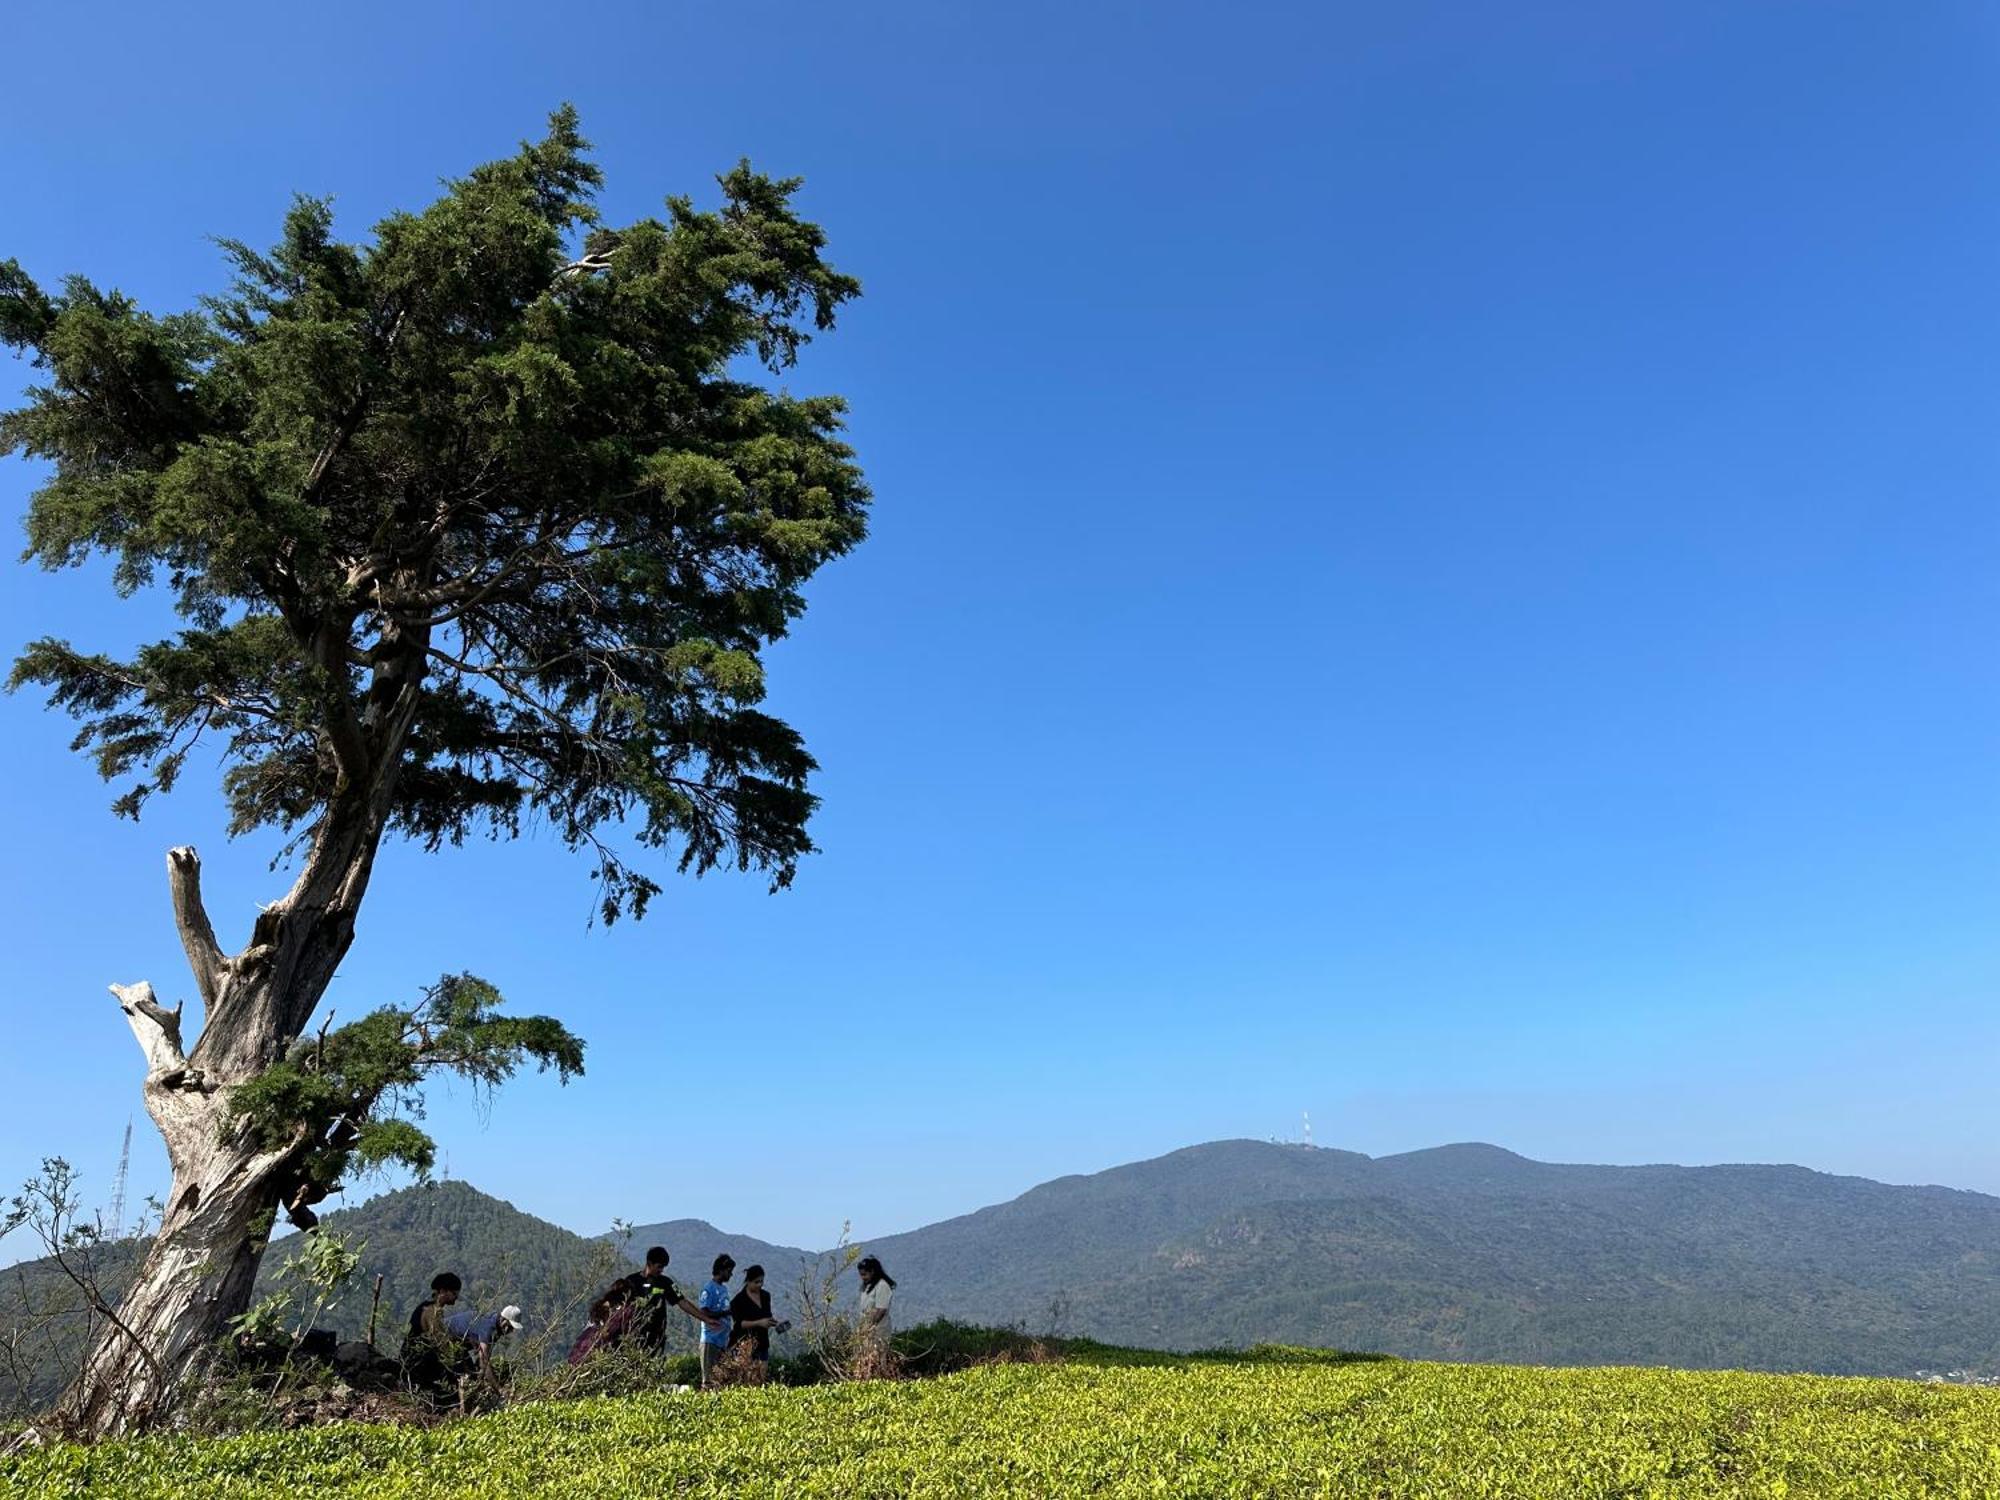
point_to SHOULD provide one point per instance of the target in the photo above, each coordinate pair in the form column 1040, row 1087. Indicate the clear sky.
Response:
column 1436, row 564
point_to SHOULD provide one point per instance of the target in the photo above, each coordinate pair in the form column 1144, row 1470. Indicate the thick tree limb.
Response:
column 204, row 955
column 157, row 1029
column 598, row 260
column 326, row 641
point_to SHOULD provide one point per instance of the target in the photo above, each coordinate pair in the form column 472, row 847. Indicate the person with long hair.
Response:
column 611, row 1318
column 878, row 1289
column 750, row 1320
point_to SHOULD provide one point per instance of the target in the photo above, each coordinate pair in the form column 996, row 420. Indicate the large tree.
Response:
column 486, row 518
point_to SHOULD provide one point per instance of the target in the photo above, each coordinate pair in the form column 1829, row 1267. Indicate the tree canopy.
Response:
column 482, row 519
column 487, row 518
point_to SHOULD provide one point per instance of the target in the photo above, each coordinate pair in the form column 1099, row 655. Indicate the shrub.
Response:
column 1222, row 1426
column 943, row 1346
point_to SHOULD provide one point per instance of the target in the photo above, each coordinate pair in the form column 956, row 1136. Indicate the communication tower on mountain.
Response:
column 118, row 1184
column 1306, row 1118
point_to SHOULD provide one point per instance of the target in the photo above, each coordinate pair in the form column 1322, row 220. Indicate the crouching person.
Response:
column 427, row 1347
column 475, row 1335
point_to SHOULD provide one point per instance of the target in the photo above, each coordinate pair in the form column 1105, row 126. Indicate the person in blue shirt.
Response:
column 714, row 1300
column 476, row 1333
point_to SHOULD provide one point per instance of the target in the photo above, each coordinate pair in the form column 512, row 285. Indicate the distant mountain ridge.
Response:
column 1473, row 1252
column 695, row 1243
column 1463, row 1252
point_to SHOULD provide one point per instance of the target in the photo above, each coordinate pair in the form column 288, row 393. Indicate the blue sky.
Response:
column 1433, row 564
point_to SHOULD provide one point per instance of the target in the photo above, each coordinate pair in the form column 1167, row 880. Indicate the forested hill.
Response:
column 406, row 1237
column 1473, row 1252
column 504, row 1255
column 1462, row 1252
column 694, row 1244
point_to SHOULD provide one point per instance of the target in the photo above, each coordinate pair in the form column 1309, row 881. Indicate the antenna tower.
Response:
column 118, row 1184
column 1308, row 1119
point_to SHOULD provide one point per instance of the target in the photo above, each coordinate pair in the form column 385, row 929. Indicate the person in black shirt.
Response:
column 653, row 1292
column 428, row 1343
column 750, row 1316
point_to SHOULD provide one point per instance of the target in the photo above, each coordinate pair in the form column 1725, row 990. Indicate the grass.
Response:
column 1274, row 1422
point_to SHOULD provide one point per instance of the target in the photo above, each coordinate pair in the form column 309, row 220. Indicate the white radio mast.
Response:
column 1308, row 1119
column 118, row 1184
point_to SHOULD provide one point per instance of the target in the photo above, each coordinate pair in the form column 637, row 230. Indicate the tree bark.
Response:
column 202, row 1264
column 197, row 1275
column 201, row 1267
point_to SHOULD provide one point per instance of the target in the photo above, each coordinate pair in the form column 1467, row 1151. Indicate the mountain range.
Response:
column 1459, row 1252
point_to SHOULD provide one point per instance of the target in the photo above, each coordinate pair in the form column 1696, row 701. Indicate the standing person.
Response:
column 750, row 1317
column 715, row 1302
column 878, row 1289
column 424, row 1346
column 653, row 1292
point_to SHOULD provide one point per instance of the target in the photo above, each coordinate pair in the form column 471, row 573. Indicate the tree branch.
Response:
column 157, row 1029
column 348, row 423
column 327, row 642
column 204, row 954
column 597, row 260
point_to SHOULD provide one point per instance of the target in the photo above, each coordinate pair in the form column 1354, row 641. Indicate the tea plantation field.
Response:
column 1276, row 1422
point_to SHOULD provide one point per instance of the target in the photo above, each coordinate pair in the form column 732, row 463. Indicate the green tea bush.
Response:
column 1285, row 1423
column 944, row 1346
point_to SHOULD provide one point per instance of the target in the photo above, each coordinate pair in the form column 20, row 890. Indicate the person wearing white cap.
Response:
column 479, row 1332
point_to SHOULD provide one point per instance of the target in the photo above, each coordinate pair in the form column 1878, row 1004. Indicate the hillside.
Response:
column 1111, row 1423
column 1472, row 1252
column 503, row 1255
column 1464, row 1252
column 695, row 1243
column 408, row 1236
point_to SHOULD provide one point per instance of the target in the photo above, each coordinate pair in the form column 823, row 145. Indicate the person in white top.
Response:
column 877, row 1291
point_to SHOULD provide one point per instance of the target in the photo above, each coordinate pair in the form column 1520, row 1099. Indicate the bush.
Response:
column 1223, row 1426
column 943, row 1346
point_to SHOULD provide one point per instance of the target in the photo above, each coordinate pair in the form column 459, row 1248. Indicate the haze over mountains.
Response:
column 1460, row 1252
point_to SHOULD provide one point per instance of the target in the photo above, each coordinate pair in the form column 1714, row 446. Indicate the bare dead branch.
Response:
column 157, row 1029
column 583, row 265
column 204, row 954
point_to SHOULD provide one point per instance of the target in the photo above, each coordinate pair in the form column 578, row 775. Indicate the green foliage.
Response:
column 475, row 520
column 503, row 1255
column 321, row 1265
column 340, row 1093
column 264, row 1320
column 944, row 1345
column 406, row 1237
column 1245, row 1427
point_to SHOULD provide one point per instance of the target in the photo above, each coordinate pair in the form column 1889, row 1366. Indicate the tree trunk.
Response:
column 197, row 1275
column 201, row 1267
column 203, row 1263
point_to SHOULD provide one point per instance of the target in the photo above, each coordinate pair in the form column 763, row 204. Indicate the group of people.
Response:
column 636, row 1307
column 447, row 1342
